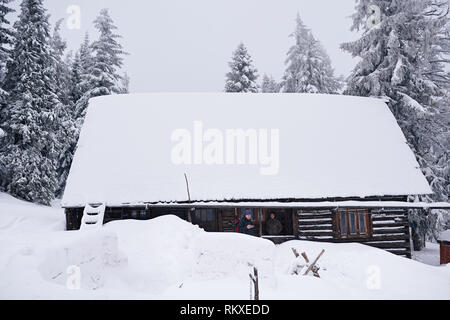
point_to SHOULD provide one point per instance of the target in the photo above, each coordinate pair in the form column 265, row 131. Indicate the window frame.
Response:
column 357, row 211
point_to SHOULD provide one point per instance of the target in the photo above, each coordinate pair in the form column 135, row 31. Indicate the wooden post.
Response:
column 295, row 224
column 303, row 255
column 314, row 263
column 187, row 187
column 260, row 217
column 255, row 280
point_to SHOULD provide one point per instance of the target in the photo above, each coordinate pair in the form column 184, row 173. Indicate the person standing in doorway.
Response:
column 245, row 224
column 273, row 225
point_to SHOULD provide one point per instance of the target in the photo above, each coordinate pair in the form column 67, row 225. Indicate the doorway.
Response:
column 285, row 217
column 262, row 215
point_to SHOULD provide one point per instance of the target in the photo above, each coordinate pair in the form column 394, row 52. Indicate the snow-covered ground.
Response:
column 167, row 258
column 429, row 255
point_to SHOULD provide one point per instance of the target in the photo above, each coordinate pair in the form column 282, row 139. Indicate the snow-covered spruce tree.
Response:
column 103, row 74
column 80, row 75
column 309, row 67
column 243, row 75
column 269, row 85
column 68, row 133
column 78, row 97
column 108, row 57
column 62, row 66
column 6, row 36
column 403, row 58
column 6, row 41
column 30, row 114
column 125, row 84
column 76, row 74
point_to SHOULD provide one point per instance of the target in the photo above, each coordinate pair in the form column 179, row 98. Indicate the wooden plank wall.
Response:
column 390, row 230
column 315, row 224
column 73, row 218
column 226, row 220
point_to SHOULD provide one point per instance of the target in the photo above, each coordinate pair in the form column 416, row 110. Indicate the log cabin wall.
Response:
column 73, row 218
column 75, row 215
column 227, row 218
column 386, row 229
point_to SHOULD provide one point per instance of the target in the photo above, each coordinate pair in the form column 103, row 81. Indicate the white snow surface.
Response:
column 429, row 255
column 445, row 235
column 167, row 258
column 330, row 146
column 316, row 204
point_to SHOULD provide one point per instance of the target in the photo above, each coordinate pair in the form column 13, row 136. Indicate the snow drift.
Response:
column 168, row 258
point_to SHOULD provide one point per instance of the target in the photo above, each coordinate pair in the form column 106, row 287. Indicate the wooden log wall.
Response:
column 73, row 218
column 226, row 218
column 389, row 229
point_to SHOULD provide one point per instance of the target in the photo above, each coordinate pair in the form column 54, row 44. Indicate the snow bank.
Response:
column 22, row 216
column 356, row 271
column 222, row 255
column 167, row 250
column 168, row 258
column 86, row 255
column 160, row 252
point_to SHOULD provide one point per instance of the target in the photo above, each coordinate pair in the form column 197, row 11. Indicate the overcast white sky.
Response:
column 184, row 45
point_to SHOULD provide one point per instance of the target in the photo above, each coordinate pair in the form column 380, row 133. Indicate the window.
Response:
column 134, row 213
column 206, row 219
column 353, row 223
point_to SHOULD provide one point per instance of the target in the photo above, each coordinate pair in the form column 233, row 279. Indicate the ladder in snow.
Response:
column 93, row 217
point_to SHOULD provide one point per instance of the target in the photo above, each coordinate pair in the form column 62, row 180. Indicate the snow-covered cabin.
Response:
column 332, row 168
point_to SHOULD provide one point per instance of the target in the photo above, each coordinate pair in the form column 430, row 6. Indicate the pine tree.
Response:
column 30, row 115
column 103, row 71
column 6, row 37
column 125, row 84
column 76, row 74
column 69, row 131
column 6, row 41
column 79, row 95
column 295, row 74
column 269, row 85
column 243, row 75
column 309, row 67
column 62, row 66
column 403, row 58
column 80, row 75
column 108, row 57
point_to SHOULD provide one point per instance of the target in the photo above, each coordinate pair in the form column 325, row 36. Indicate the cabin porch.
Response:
column 384, row 228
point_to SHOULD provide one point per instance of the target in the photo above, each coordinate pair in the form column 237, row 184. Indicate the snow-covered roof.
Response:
column 309, row 204
column 329, row 146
